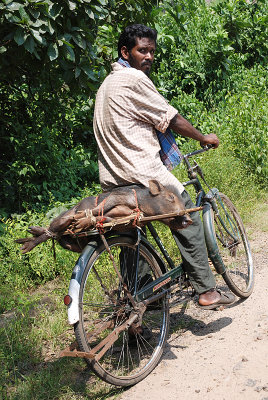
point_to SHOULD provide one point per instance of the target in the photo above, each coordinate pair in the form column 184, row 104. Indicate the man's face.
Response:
column 141, row 56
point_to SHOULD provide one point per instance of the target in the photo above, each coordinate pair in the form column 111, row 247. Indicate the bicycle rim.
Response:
column 105, row 308
column 233, row 247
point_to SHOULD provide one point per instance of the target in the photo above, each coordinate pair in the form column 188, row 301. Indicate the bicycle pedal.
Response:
column 179, row 299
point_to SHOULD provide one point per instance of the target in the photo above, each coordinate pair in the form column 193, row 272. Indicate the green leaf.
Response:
column 50, row 28
column 37, row 35
column 67, row 37
column 68, row 43
column 36, row 55
column 2, row 49
column 12, row 18
column 55, row 10
column 53, row 51
column 24, row 16
column 77, row 72
column 70, row 52
column 29, row 44
column 13, row 6
column 79, row 41
column 38, row 23
column 89, row 73
column 20, row 36
column 89, row 13
column 72, row 5
column 23, row 171
column 34, row 13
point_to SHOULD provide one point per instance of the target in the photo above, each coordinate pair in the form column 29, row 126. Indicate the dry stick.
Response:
column 126, row 220
column 120, row 221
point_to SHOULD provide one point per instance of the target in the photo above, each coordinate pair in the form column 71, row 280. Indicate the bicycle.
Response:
column 121, row 288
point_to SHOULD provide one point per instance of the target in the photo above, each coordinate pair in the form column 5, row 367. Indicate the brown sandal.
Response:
column 224, row 300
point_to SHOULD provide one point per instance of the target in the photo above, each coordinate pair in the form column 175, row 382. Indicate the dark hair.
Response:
column 131, row 32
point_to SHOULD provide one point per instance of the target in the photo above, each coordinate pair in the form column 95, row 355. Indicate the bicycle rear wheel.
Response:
column 233, row 246
column 124, row 356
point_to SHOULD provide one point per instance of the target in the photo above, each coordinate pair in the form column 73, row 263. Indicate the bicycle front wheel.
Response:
column 233, row 246
column 124, row 352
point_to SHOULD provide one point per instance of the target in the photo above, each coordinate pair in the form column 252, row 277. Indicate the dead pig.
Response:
column 120, row 202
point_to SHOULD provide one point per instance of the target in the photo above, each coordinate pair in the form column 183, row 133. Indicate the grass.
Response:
column 30, row 343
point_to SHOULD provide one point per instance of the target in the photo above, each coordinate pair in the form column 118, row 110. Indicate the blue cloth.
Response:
column 169, row 153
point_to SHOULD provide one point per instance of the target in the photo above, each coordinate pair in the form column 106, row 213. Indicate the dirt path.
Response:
column 220, row 355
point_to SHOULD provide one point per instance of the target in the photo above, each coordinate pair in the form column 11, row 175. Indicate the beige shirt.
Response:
column 128, row 109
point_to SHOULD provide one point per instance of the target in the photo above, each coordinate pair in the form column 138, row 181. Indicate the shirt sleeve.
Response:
column 147, row 105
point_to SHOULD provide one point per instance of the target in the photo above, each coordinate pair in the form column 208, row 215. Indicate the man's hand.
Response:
column 180, row 125
column 211, row 139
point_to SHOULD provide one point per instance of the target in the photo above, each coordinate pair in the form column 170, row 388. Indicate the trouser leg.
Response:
column 191, row 243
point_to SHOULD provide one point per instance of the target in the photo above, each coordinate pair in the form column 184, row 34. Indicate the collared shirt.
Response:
column 128, row 111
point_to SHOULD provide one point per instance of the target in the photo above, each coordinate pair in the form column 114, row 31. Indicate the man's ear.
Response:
column 125, row 53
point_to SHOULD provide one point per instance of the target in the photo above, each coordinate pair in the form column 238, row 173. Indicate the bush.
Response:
column 244, row 117
column 211, row 67
column 200, row 45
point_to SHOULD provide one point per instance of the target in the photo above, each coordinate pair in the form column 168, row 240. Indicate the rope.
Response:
column 137, row 210
column 89, row 214
column 100, row 227
column 99, row 224
column 96, row 201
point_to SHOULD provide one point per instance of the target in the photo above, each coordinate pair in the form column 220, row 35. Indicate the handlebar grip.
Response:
column 207, row 146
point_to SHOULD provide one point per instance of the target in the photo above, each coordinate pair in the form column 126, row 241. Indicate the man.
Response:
column 130, row 117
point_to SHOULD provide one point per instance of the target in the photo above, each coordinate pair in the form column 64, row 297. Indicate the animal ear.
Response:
column 155, row 187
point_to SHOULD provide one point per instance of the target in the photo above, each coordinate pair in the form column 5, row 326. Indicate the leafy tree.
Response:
column 203, row 44
column 53, row 57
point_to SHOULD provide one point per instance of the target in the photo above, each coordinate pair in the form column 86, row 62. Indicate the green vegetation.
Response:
column 211, row 64
column 53, row 57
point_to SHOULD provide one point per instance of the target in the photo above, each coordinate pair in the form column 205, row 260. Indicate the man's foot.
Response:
column 214, row 298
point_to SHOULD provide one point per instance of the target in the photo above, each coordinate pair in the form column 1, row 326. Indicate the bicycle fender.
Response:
column 76, row 278
column 212, row 247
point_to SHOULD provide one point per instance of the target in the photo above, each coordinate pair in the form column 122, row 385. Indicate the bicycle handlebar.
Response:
column 205, row 148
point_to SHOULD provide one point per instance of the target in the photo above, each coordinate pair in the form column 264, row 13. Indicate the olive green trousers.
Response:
column 191, row 243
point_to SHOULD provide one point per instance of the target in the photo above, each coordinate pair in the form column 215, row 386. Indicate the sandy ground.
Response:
column 223, row 354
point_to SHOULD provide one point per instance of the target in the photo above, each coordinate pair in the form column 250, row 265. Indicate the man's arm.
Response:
column 181, row 126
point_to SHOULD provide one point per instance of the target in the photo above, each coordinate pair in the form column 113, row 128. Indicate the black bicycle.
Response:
column 122, row 287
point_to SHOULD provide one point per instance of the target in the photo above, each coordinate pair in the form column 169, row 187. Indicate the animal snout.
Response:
column 186, row 220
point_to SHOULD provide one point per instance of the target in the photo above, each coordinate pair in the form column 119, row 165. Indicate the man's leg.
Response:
column 191, row 242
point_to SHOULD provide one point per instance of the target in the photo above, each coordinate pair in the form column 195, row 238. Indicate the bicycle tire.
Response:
column 102, row 300
column 233, row 247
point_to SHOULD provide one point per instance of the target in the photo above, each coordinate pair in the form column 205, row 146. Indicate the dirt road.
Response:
column 220, row 354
